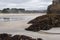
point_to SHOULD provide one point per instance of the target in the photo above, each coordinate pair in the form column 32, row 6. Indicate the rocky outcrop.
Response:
column 54, row 8
column 5, row 36
column 48, row 21
column 39, row 23
column 44, row 22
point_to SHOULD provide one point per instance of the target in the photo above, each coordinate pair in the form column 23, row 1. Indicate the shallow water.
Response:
column 16, row 23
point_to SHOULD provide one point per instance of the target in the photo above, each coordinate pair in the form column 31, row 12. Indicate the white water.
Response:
column 18, row 22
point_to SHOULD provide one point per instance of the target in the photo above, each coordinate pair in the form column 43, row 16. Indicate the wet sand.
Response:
column 18, row 23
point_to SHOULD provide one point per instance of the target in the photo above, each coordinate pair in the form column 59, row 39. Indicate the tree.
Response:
column 5, row 10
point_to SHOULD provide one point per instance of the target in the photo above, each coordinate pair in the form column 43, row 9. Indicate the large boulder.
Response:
column 44, row 22
column 48, row 21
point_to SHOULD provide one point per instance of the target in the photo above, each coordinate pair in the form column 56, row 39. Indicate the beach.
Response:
column 16, row 24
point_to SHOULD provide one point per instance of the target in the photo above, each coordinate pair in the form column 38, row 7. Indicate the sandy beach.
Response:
column 17, row 24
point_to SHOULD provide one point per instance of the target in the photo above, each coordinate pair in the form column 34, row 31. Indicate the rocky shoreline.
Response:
column 44, row 22
column 5, row 36
column 48, row 21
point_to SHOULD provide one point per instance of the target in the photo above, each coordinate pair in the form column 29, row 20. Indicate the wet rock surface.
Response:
column 5, row 36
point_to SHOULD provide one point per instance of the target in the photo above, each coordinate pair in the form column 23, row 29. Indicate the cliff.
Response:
column 54, row 7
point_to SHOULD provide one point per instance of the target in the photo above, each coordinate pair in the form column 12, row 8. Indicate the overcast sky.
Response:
column 27, row 4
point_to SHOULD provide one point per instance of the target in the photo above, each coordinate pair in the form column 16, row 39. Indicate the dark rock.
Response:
column 38, row 19
column 39, row 39
column 22, row 37
column 16, row 37
column 49, row 11
column 44, row 22
column 25, row 37
column 48, row 21
column 5, row 36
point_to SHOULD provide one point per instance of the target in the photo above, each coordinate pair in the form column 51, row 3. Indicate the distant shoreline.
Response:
column 22, row 13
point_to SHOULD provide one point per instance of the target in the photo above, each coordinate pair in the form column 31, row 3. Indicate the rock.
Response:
column 38, row 19
column 49, row 11
column 16, row 37
column 48, row 21
column 5, row 36
column 39, row 39
column 44, row 22
column 23, row 37
column 54, row 8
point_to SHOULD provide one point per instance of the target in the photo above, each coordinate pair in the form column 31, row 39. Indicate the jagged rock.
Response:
column 40, row 23
column 5, row 36
column 38, row 19
column 44, row 22
column 48, row 21
column 54, row 7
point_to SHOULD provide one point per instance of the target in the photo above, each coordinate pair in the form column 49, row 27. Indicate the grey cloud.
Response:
column 14, row 1
column 45, row 0
column 27, row 4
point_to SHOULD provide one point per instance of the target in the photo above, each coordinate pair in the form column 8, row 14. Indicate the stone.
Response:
column 54, row 7
column 37, row 24
column 48, row 21
column 39, row 39
column 38, row 19
column 6, row 36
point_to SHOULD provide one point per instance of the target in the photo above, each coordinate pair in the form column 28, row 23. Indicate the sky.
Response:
column 26, row 4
